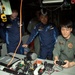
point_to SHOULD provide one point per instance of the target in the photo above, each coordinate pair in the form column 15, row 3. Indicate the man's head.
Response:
column 14, row 14
column 66, row 29
column 43, row 15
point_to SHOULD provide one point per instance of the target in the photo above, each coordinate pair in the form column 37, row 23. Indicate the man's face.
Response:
column 44, row 19
column 66, row 32
column 14, row 14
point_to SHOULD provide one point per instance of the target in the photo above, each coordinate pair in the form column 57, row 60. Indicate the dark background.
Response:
column 57, row 12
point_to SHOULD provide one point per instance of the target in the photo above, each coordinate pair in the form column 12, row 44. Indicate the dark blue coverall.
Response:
column 47, row 34
column 13, row 36
column 2, row 32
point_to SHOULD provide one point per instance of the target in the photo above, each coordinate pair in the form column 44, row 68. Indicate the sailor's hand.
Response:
column 24, row 45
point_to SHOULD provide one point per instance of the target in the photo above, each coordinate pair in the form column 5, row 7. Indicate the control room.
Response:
column 37, row 37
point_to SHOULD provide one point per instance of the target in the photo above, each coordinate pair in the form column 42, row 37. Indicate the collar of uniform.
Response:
column 14, row 19
column 71, row 38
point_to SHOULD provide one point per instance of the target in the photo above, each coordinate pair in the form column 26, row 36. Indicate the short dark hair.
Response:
column 66, row 23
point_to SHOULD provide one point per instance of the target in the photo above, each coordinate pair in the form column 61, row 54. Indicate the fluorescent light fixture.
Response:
column 52, row 1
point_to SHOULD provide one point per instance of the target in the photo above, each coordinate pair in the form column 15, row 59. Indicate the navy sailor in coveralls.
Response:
column 47, row 34
column 13, row 33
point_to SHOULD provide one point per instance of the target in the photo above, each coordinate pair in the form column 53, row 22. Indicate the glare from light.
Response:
column 52, row 1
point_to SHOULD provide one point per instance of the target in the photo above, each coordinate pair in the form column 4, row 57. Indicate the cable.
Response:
column 58, row 7
column 20, row 34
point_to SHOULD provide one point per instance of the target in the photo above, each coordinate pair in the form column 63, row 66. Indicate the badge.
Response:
column 61, row 43
column 9, row 26
column 51, row 27
column 40, row 28
column 70, row 45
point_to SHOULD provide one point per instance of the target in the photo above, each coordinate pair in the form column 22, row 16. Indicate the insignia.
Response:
column 70, row 45
column 40, row 28
column 51, row 27
column 9, row 26
column 60, row 42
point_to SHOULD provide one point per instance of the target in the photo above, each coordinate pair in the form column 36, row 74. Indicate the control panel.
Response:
column 24, row 66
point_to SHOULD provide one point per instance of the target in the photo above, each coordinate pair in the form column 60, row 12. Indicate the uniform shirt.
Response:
column 32, row 24
column 65, row 49
column 12, row 31
column 47, row 34
column 13, row 35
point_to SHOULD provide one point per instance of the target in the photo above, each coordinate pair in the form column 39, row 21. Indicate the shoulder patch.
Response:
column 70, row 45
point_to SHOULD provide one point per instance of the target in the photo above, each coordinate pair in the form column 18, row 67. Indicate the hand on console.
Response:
column 68, row 64
column 60, row 63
